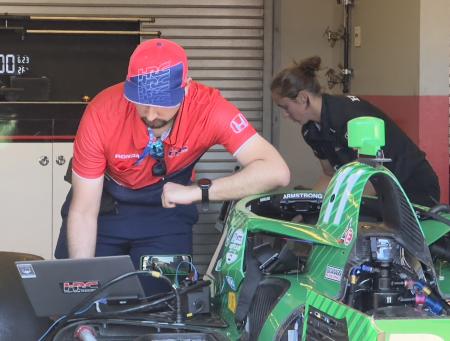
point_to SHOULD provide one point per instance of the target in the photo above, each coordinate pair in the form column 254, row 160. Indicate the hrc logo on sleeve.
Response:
column 238, row 123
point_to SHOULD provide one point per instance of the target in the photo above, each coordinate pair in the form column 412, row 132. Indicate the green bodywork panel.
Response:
column 360, row 326
column 433, row 230
column 296, row 296
column 231, row 264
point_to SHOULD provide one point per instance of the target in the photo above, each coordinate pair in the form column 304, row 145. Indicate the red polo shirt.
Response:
column 111, row 135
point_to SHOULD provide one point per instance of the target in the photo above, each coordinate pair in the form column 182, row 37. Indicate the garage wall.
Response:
column 434, row 96
column 229, row 46
column 387, row 65
column 402, row 68
column 299, row 33
column 390, row 33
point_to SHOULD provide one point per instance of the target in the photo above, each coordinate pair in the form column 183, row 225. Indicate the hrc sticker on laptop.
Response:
column 76, row 287
column 26, row 270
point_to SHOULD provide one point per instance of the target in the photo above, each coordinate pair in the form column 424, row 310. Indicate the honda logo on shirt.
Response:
column 238, row 123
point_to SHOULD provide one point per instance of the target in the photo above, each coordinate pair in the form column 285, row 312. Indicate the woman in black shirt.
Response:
column 324, row 118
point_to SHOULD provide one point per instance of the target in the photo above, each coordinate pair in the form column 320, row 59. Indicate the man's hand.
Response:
column 174, row 194
column 297, row 219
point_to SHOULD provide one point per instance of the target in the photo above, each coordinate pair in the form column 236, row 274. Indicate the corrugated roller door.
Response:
column 227, row 49
column 225, row 46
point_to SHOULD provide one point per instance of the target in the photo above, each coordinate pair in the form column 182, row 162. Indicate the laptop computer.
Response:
column 54, row 287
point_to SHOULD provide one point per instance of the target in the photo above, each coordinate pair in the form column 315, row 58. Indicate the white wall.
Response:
column 387, row 62
column 434, row 38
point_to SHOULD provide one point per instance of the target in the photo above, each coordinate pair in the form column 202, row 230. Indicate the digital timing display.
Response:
column 14, row 64
column 63, row 67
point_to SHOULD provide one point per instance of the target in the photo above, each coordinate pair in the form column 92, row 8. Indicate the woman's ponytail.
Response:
column 300, row 76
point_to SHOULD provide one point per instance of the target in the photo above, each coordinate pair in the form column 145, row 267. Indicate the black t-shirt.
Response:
column 328, row 140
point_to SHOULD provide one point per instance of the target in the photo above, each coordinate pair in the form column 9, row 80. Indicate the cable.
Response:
column 178, row 267
column 51, row 327
column 102, row 300
column 143, row 306
column 155, row 296
column 88, row 298
column 78, row 309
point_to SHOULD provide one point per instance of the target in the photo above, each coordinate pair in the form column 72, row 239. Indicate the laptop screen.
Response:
column 55, row 287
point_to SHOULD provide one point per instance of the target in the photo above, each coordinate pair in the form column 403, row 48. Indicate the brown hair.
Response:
column 300, row 76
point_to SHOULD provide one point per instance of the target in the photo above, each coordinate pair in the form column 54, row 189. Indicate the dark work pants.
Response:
column 138, row 225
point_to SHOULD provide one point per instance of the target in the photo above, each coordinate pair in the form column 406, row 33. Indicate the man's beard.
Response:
column 157, row 123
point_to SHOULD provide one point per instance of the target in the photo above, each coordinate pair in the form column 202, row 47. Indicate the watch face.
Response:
column 204, row 182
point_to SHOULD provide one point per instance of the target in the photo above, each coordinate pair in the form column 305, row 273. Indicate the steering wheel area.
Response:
column 288, row 206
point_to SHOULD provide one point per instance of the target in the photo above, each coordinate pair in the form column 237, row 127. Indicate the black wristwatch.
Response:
column 204, row 185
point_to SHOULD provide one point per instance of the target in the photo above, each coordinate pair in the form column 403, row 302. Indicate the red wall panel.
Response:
column 425, row 120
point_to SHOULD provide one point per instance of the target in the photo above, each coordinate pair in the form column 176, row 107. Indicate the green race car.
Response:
column 356, row 268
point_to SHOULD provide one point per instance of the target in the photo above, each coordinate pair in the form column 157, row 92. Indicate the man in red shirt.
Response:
column 135, row 149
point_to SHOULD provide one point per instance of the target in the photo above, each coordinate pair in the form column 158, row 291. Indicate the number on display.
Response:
column 11, row 64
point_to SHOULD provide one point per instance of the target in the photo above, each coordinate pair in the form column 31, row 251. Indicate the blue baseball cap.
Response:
column 157, row 74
